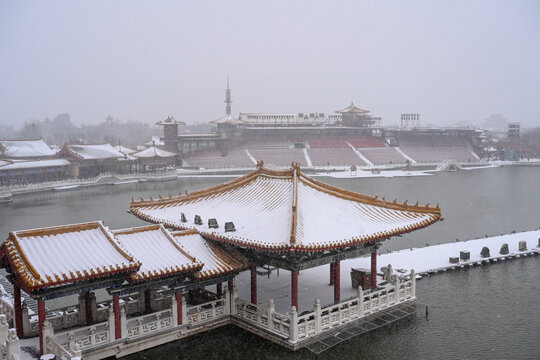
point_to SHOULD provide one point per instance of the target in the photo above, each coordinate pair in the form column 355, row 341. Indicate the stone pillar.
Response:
column 4, row 328
column 332, row 273
column 179, row 307
column 41, row 319
column 271, row 309
column 337, row 282
column 374, row 269
column 254, row 284
column 116, row 310
column 25, row 320
column 18, row 309
column 110, row 323
column 294, row 289
column 219, row 290
column 234, row 294
column 413, row 283
column 123, row 323
column 317, row 310
column 293, row 325
column 360, row 301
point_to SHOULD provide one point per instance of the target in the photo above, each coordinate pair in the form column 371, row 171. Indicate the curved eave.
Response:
column 167, row 273
column 245, row 243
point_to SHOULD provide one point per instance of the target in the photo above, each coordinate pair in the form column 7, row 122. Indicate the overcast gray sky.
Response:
column 448, row 61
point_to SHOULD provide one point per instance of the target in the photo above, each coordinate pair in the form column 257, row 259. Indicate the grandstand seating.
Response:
column 386, row 155
column 214, row 159
column 436, row 148
column 361, row 142
column 339, row 156
column 276, row 152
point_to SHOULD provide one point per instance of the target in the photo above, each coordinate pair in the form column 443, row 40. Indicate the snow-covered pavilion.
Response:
column 154, row 157
column 75, row 259
column 286, row 219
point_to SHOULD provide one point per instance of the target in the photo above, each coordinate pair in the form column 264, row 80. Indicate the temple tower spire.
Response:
column 228, row 100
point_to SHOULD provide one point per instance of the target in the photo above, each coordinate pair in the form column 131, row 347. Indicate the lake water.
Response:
column 489, row 312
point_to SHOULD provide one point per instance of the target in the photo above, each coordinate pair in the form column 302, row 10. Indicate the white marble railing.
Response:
column 264, row 317
column 147, row 324
column 365, row 303
column 206, row 312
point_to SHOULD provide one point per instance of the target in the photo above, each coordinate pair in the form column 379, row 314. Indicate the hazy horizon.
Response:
column 452, row 61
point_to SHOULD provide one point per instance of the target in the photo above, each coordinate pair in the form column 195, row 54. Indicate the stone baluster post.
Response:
column 395, row 283
column 110, row 324
column 13, row 348
column 227, row 301
column 271, row 309
column 317, row 310
column 76, row 352
column 293, row 325
column 413, row 283
column 174, row 310
column 47, row 332
column 360, row 301
column 123, row 322
column 185, row 319
column 4, row 329
column 26, row 320
column 233, row 300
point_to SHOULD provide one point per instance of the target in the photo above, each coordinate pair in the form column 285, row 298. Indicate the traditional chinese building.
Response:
column 286, row 219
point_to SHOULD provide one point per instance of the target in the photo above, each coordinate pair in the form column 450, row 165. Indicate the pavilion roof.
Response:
column 32, row 164
column 25, row 148
column 352, row 109
column 124, row 150
column 279, row 210
column 170, row 121
column 157, row 250
column 217, row 260
column 153, row 152
column 92, row 152
column 228, row 119
column 49, row 257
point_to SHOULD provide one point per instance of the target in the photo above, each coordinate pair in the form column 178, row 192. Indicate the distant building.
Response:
column 355, row 117
column 410, row 121
column 25, row 149
column 282, row 119
column 513, row 129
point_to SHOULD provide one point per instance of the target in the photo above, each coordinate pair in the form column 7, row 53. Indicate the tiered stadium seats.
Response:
column 276, row 152
column 361, row 142
column 326, row 143
column 380, row 156
column 214, row 159
column 436, row 148
column 340, row 156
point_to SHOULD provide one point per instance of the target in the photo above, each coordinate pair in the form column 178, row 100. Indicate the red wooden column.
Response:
column 18, row 309
column 230, row 284
column 332, row 273
column 219, row 290
column 374, row 269
column 337, row 282
column 116, row 310
column 294, row 289
column 178, row 296
column 88, row 307
column 147, row 301
column 41, row 320
column 254, row 284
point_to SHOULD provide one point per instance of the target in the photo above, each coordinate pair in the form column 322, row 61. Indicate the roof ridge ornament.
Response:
column 260, row 164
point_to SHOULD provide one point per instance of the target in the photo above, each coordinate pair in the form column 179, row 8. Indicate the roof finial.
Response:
column 228, row 100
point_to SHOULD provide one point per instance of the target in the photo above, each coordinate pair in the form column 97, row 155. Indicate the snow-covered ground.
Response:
column 313, row 283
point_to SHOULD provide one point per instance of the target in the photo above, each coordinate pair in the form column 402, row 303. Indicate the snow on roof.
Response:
column 124, row 150
column 228, row 119
column 352, row 109
column 217, row 261
column 22, row 164
column 153, row 152
column 281, row 210
column 59, row 255
column 156, row 140
column 158, row 252
column 25, row 148
column 170, row 121
column 92, row 152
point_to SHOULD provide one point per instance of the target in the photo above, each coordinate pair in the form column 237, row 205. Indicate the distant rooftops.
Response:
column 92, row 152
column 170, row 121
column 19, row 149
column 352, row 109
